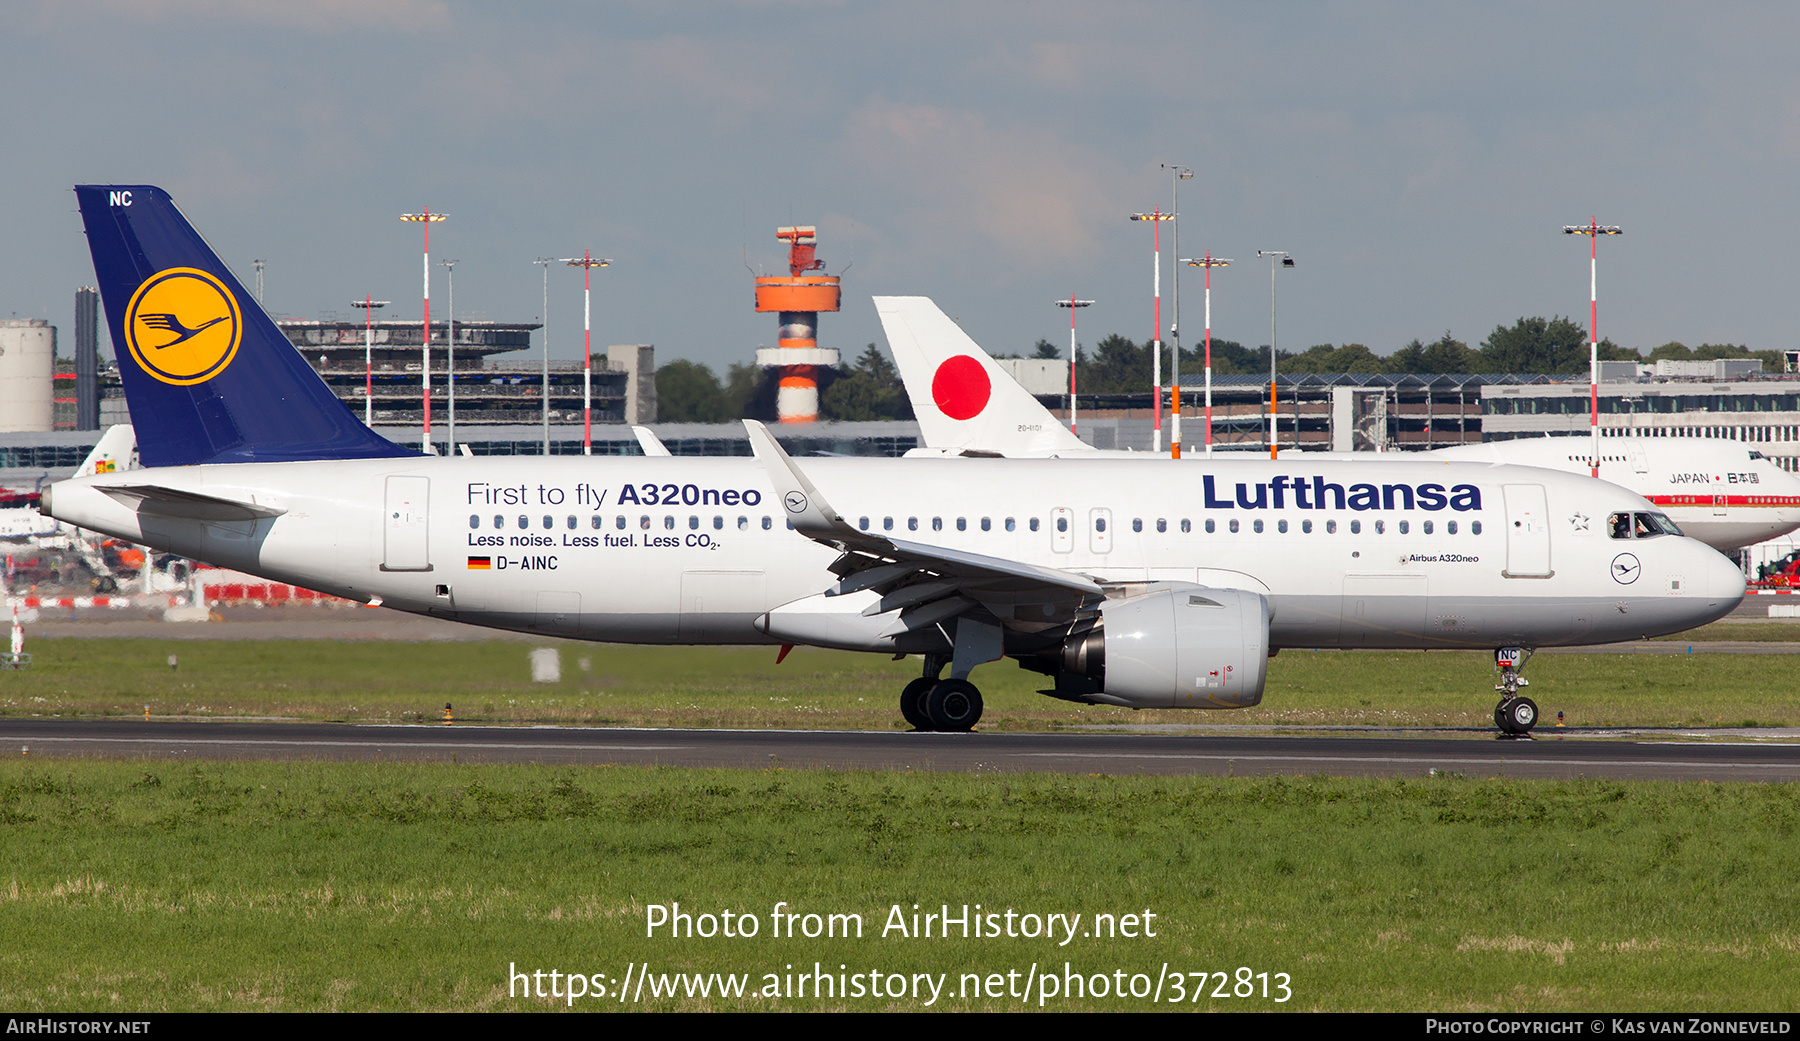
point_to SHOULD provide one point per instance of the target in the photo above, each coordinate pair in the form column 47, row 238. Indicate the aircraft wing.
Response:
column 925, row 584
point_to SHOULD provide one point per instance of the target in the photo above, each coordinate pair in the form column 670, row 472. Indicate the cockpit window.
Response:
column 1650, row 525
column 1618, row 526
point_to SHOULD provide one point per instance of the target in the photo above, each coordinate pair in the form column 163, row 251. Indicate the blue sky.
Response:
column 1418, row 160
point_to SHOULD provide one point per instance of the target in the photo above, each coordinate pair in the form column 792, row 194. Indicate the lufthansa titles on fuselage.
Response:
column 1320, row 494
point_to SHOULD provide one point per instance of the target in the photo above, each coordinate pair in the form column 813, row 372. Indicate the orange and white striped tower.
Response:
column 798, row 299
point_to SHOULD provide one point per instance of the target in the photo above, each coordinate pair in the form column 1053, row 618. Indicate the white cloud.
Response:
column 1014, row 198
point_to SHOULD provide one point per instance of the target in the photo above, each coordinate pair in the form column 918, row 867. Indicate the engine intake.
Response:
column 1179, row 646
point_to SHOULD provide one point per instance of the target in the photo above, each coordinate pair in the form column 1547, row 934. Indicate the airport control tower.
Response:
column 798, row 299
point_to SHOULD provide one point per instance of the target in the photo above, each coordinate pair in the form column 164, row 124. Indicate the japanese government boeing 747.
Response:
column 1142, row 583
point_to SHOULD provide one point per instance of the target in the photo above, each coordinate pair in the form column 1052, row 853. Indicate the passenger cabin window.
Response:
column 1209, row 525
column 962, row 524
column 572, row 522
column 1234, row 525
column 1356, row 527
column 1427, row 527
column 766, row 524
column 474, row 520
column 912, row 524
column 937, row 524
column 986, row 524
column 1010, row 524
column 549, row 522
column 1062, row 524
column 1033, row 523
column 1281, row 526
column 1161, row 525
column 499, row 521
column 1331, row 527
column 1137, row 524
column 1185, row 526
column 887, row 524
column 596, row 522
column 1256, row 526
column 669, row 522
column 862, row 523
column 1474, row 527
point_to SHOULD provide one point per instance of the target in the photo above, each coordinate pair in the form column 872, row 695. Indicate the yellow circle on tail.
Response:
column 183, row 326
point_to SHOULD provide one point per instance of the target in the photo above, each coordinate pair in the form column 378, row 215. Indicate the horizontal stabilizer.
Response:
column 156, row 501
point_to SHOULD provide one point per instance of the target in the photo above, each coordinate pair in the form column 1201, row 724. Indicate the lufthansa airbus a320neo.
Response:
column 1142, row 583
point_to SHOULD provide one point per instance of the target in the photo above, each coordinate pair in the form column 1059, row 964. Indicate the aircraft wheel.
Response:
column 954, row 705
column 1520, row 715
column 912, row 702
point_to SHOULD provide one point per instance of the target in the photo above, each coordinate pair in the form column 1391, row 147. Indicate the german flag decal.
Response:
column 481, row 563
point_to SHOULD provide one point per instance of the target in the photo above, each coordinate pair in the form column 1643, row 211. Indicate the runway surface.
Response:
column 1554, row 755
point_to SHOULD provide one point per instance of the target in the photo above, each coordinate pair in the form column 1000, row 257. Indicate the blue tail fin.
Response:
column 209, row 377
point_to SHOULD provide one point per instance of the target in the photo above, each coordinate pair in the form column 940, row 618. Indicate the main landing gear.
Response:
column 930, row 703
column 1516, row 714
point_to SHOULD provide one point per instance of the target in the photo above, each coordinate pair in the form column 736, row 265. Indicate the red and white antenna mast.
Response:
column 1208, row 262
column 1156, row 217
column 1071, row 303
column 587, row 262
column 426, row 218
column 1593, row 229
column 368, row 304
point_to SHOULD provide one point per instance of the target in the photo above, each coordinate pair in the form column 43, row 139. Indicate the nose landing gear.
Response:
column 1516, row 714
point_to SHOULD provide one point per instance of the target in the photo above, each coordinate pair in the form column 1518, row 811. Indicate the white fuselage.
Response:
column 696, row 550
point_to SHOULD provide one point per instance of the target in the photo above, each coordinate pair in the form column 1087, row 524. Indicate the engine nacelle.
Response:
column 1179, row 646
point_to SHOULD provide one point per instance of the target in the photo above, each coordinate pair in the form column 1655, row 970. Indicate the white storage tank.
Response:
column 27, row 356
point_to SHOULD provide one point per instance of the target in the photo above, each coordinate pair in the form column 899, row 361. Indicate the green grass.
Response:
column 245, row 886
column 738, row 687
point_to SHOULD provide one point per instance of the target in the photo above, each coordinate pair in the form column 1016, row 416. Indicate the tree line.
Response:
column 869, row 388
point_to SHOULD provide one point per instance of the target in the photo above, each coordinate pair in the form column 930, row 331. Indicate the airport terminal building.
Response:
column 501, row 396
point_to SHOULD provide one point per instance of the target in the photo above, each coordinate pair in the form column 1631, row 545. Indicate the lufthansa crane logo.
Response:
column 1626, row 569
column 183, row 326
column 795, row 501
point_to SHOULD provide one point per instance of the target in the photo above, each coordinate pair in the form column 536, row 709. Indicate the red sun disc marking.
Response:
column 961, row 388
